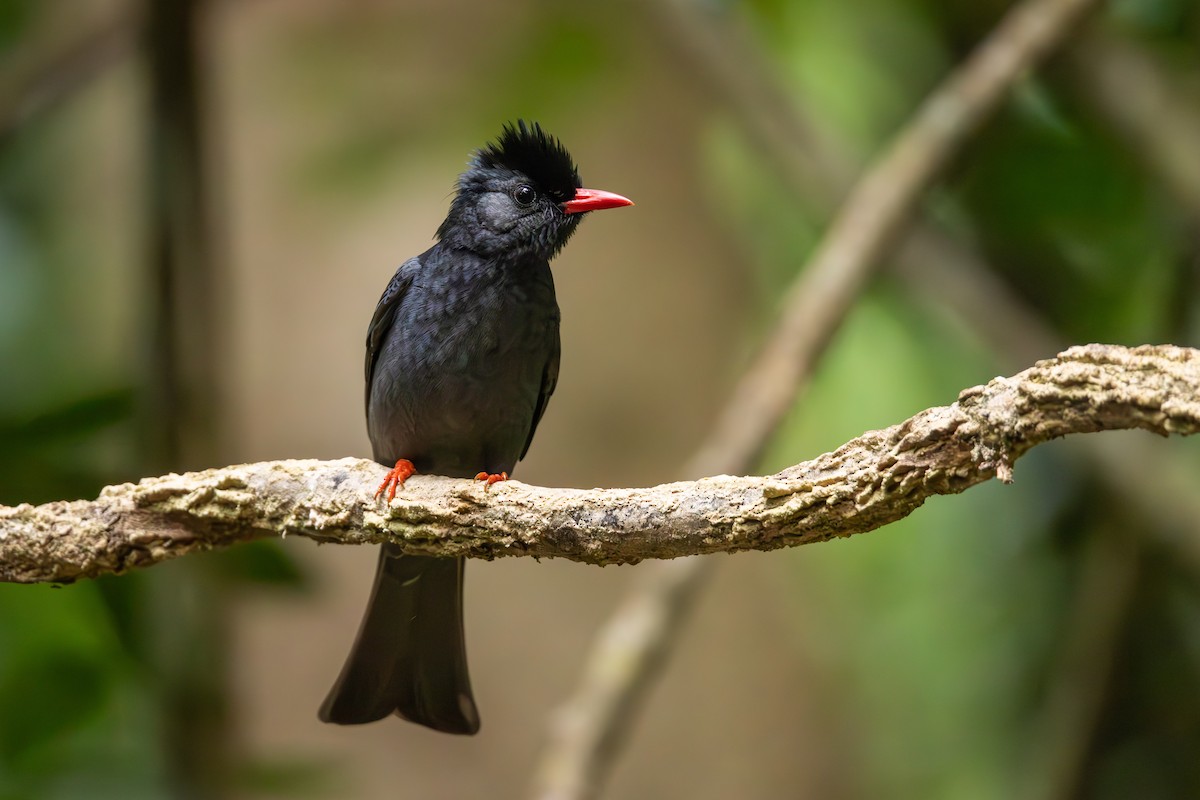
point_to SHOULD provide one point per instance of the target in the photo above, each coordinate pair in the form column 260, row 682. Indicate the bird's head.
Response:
column 521, row 196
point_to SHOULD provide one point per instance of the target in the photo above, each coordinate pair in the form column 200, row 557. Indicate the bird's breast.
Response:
column 460, row 373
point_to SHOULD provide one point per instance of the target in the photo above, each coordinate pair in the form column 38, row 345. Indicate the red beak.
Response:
column 594, row 200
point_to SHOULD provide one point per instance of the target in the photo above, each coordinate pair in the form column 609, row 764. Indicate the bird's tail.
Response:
column 410, row 657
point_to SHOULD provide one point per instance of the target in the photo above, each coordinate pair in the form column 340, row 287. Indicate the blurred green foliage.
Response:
column 71, row 712
column 1087, row 237
column 81, row 687
column 75, row 717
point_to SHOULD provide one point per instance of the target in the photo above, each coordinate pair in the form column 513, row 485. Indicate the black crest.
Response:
column 528, row 149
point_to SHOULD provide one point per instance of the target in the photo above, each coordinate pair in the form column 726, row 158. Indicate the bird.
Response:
column 462, row 357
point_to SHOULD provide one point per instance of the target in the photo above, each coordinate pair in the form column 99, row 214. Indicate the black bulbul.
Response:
column 462, row 357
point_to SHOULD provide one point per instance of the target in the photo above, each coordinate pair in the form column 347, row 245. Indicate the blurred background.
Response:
column 200, row 203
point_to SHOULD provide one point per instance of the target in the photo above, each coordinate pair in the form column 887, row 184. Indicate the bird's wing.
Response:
column 549, row 381
column 385, row 315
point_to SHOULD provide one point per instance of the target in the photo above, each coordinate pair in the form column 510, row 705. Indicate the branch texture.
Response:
column 870, row 481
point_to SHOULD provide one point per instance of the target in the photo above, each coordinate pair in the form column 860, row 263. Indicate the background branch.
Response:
column 873, row 215
column 870, row 481
column 182, row 385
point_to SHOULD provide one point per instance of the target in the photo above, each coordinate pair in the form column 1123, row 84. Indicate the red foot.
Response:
column 396, row 477
column 490, row 479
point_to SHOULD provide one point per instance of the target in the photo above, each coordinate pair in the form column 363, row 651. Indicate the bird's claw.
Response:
column 395, row 478
column 490, row 478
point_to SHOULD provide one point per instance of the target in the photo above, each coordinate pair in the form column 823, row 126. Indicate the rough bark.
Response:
column 875, row 479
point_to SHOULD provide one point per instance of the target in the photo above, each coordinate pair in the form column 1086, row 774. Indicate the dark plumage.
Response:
column 462, row 357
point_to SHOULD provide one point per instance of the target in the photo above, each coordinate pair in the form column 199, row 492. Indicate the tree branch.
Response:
column 870, row 481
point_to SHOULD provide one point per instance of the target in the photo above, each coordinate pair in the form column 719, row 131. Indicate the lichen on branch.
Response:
column 872, row 480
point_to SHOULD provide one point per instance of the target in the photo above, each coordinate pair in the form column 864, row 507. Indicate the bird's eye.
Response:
column 524, row 195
